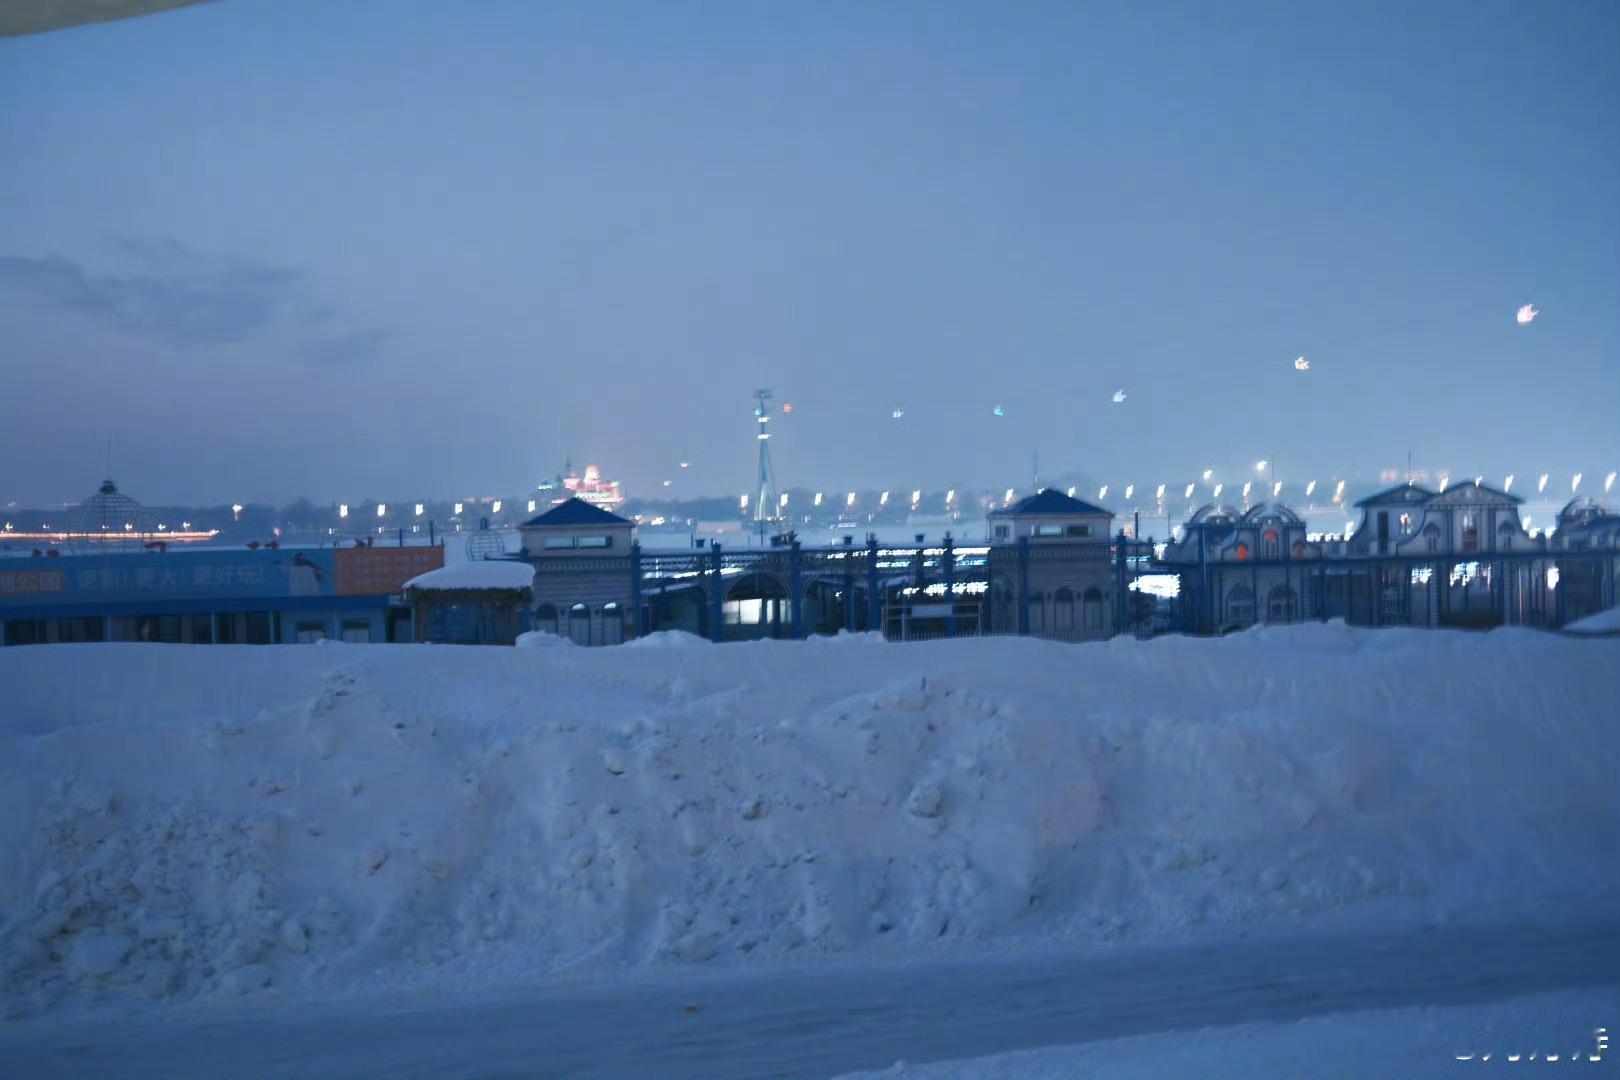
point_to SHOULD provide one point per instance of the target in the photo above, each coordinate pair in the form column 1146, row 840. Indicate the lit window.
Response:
column 1048, row 530
column 595, row 541
column 1242, row 552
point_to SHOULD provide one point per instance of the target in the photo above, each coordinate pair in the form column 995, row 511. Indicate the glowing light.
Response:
column 1276, row 489
column 1310, row 489
column 1246, row 486
column 1260, row 466
column 419, row 509
column 743, row 502
column 1071, row 493
column 667, row 483
column 382, row 509
column 950, row 496
column 1527, row 314
column 850, row 501
column 1507, row 485
column 1445, row 481
column 999, row 411
column 236, row 511
column 1608, row 482
column 817, row 500
column 1575, row 483
column 1541, row 484
column 1119, row 396
column 531, row 506
column 1207, row 474
column 1478, row 481
column 883, row 500
column 1102, row 492
column 916, row 497
column 1008, row 497
column 1188, row 495
column 783, row 500
column 1218, row 488
column 1339, row 490
column 458, row 508
column 1160, row 495
column 898, row 413
column 1301, row 364
column 1552, row 577
column 787, row 407
column 343, row 510
column 1129, row 489
column 496, row 508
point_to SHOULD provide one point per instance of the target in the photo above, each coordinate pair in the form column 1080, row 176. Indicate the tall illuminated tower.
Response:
column 765, row 504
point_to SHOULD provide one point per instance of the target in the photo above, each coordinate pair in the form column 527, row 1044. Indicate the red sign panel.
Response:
column 380, row 571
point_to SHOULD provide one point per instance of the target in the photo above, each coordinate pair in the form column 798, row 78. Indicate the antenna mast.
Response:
column 765, row 501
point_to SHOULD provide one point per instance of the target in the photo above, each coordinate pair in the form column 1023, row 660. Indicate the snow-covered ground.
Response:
column 304, row 823
column 1413, row 1044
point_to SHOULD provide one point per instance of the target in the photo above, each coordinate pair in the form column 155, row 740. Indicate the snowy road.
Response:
column 822, row 1022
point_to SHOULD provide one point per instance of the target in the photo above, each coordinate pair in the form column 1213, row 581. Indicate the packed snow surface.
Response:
column 478, row 574
column 198, row 822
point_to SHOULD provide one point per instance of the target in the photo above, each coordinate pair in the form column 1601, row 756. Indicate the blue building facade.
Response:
column 210, row 595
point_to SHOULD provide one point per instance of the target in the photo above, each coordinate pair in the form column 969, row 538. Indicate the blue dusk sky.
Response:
column 273, row 248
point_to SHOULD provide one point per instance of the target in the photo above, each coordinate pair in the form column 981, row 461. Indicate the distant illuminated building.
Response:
column 590, row 488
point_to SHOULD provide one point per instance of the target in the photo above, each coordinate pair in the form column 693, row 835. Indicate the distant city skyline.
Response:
column 287, row 249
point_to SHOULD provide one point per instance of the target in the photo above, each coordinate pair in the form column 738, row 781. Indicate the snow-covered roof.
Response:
column 575, row 511
column 1400, row 493
column 1050, row 501
column 483, row 574
column 1277, row 511
column 1210, row 514
column 1583, row 508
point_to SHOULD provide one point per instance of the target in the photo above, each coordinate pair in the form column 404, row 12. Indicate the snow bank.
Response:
column 1414, row 1044
column 1601, row 622
column 480, row 574
column 542, row 639
column 181, row 822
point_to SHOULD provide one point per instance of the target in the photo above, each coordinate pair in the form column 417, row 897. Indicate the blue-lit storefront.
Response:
column 201, row 596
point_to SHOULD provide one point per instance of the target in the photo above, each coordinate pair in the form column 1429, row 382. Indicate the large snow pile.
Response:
column 181, row 821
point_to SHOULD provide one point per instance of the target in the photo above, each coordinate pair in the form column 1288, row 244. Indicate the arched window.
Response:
column 579, row 624
column 1063, row 611
column 1091, row 610
column 1281, row 605
column 1240, row 607
column 1271, row 545
column 545, row 618
column 1299, row 551
column 1242, row 552
column 1037, row 613
column 612, row 623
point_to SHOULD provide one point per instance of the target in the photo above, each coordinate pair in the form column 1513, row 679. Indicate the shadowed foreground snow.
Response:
column 182, row 823
column 1413, row 1044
